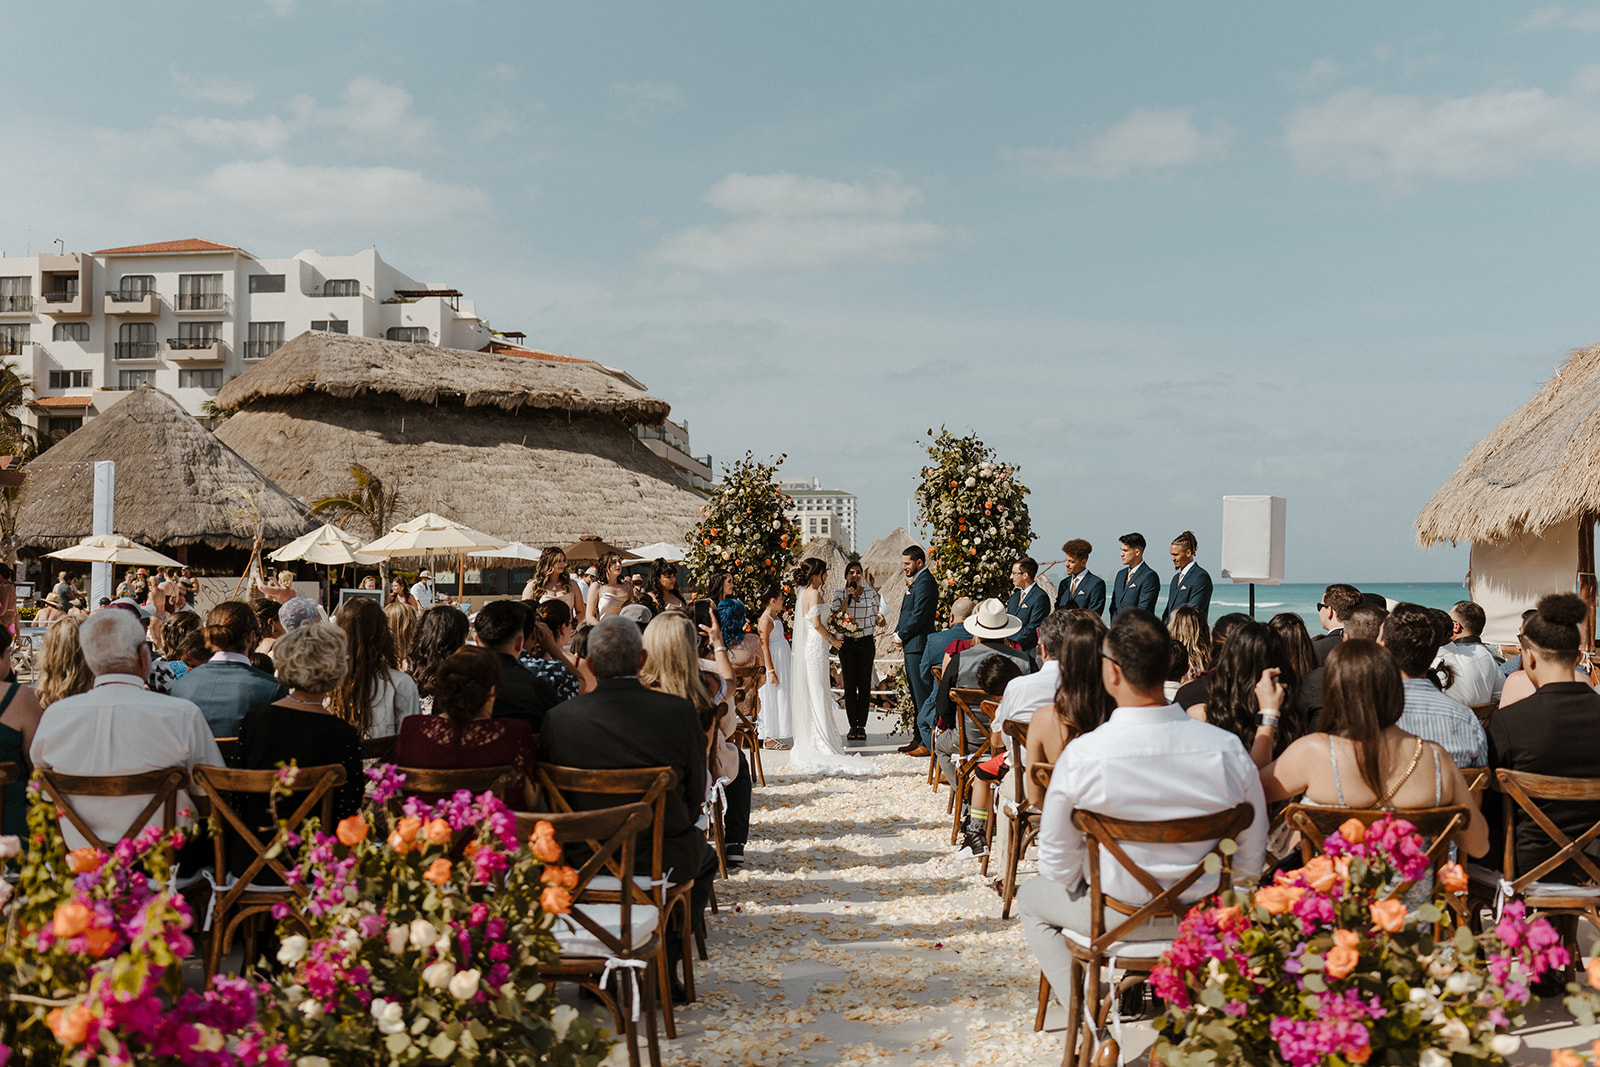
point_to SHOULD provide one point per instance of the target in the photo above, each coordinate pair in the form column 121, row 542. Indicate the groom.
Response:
column 916, row 622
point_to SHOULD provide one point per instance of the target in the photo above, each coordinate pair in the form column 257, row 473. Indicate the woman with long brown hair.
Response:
column 441, row 632
column 609, row 594
column 63, row 672
column 403, row 620
column 551, row 581
column 375, row 695
column 1253, row 663
column 1081, row 703
column 1188, row 628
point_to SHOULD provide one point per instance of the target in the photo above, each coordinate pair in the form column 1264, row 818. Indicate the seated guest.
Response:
column 461, row 732
column 1338, row 601
column 1080, row 703
column 179, row 626
column 1366, row 759
column 1411, row 636
column 119, row 727
column 19, row 719
column 297, row 611
column 1300, row 658
column 990, row 625
column 298, row 727
column 226, row 686
column 268, row 627
column 1556, row 731
column 546, row 634
column 1148, row 762
column 51, row 609
column 623, row 724
column 1188, row 627
column 403, row 619
column 522, row 694
column 63, row 672
column 933, row 654
column 1194, row 691
column 994, row 674
column 1253, row 655
column 441, row 632
column 1177, row 669
column 375, row 695
column 1477, row 673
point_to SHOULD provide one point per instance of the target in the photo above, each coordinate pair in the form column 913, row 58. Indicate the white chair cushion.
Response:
column 1489, row 876
column 605, row 883
column 1133, row 950
column 575, row 940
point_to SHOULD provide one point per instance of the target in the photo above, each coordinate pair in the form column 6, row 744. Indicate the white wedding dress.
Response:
column 816, row 734
column 774, row 720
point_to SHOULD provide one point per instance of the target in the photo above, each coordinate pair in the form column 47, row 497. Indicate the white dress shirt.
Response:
column 393, row 699
column 422, row 592
column 1027, row 693
column 1478, row 677
column 1149, row 764
column 120, row 727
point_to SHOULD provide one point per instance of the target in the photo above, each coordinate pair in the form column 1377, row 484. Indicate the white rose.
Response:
column 292, row 950
column 617, row 1057
column 971, row 481
column 207, row 1039
column 561, row 1020
column 312, row 1061
column 1432, row 1057
column 1458, row 984
column 1454, row 1032
column 438, row 975
column 388, row 1016
column 349, row 940
column 398, row 936
column 311, row 1008
column 10, row 846
column 1504, row 1044
column 423, row 933
column 464, row 985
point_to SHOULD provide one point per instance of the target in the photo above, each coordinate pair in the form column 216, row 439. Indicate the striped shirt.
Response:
column 1444, row 720
column 865, row 610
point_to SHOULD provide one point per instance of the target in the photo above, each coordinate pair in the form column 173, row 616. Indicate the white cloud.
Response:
column 1317, row 76
column 217, row 90
column 790, row 222
column 636, row 101
column 1554, row 16
column 372, row 111
column 1144, row 141
column 264, row 135
column 341, row 197
column 1398, row 139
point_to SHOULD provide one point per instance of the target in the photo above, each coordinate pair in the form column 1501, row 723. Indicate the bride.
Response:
column 816, row 737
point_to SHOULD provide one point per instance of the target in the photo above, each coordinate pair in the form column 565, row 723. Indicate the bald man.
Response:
column 932, row 653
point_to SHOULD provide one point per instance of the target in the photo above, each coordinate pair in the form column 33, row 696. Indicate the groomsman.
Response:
column 1137, row 585
column 1028, row 603
column 916, row 620
column 1079, row 588
column 1191, row 585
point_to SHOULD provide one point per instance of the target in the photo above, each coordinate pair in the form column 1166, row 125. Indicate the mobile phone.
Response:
column 702, row 613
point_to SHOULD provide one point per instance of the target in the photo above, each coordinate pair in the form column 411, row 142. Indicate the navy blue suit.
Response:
column 913, row 627
column 1141, row 594
column 1032, row 607
column 1194, row 591
column 933, row 653
column 1091, row 593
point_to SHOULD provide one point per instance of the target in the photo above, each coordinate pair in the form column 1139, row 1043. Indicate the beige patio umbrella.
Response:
column 428, row 534
column 114, row 548
column 327, row 545
column 506, row 557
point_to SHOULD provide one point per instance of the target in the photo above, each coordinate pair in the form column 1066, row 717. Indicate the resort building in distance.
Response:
column 822, row 512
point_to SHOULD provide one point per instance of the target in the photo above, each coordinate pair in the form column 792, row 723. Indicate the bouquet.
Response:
column 1322, row 967
column 841, row 623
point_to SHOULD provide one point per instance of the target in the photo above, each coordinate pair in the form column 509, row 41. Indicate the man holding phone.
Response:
column 862, row 605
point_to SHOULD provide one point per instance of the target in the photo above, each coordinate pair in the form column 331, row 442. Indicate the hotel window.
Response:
column 199, row 379
column 16, row 294
column 64, row 424
column 71, row 379
column 266, row 283
column 341, row 287
column 132, row 379
column 135, row 340
column 70, row 331
column 200, row 292
column 134, row 286
column 199, row 334
column 13, row 335
column 331, row 325
column 265, row 339
column 415, row 334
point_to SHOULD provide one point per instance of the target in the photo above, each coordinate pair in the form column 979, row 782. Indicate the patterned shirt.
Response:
column 554, row 672
column 1444, row 720
column 865, row 610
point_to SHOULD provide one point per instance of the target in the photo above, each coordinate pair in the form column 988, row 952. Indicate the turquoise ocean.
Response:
column 1302, row 598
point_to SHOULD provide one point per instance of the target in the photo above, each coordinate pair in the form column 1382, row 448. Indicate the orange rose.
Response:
column 1277, row 899
column 84, row 860
column 437, row 832
column 1594, row 972
column 407, row 828
column 1353, row 831
column 1388, row 915
column 1229, row 917
column 438, row 871
column 545, row 849
column 398, row 843
column 555, row 900
column 1453, row 877
column 1319, row 874
column 352, row 831
column 100, row 941
column 1564, row 1057
column 70, row 920
column 1360, row 1055
column 1340, row 961
column 565, row 877
column 1347, row 939
column 1341, row 864
column 472, row 849
column 71, row 1026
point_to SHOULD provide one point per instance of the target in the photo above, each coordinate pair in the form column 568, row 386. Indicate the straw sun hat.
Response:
column 992, row 620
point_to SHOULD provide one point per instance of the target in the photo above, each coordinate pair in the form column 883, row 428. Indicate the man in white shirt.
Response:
column 119, row 727
column 1478, row 678
column 1148, row 762
column 423, row 591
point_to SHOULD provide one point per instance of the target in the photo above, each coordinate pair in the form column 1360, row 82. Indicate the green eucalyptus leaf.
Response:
column 1315, row 984
column 1212, row 997
column 1213, row 863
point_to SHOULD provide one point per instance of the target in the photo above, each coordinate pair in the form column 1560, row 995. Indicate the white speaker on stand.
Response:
column 1252, row 541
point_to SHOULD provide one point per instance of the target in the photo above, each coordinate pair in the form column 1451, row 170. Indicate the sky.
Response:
column 1154, row 254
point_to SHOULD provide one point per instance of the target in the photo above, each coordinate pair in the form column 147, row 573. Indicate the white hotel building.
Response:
column 185, row 316
column 822, row 512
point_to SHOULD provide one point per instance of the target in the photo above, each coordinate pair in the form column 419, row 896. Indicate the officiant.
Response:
column 857, row 610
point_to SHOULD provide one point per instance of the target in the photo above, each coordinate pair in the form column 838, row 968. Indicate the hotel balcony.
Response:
column 196, row 349
column 132, row 302
column 64, row 281
column 201, row 304
column 16, row 305
column 64, row 303
column 260, row 349
column 135, row 351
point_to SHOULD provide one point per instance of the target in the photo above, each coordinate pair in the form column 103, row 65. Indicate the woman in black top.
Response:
column 312, row 660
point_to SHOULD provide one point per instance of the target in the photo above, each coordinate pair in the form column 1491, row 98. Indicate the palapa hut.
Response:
column 175, row 486
column 536, row 450
column 1526, row 498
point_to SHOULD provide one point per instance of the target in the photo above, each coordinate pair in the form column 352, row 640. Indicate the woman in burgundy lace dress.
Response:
column 460, row 732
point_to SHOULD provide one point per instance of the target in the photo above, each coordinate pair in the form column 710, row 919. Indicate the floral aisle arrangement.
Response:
column 979, row 514
column 424, row 943
column 1319, row 969
column 744, row 530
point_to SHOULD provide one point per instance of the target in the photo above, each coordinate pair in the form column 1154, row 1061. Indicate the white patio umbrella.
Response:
column 327, row 545
column 662, row 550
column 430, row 533
column 114, row 548
column 515, row 550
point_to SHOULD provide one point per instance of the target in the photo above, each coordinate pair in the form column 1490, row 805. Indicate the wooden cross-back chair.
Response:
column 1478, row 782
column 606, row 925
column 646, row 785
column 1438, row 826
column 378, row 749
column 747, row 737
column 1102, row 945
column 238, row 899
column 429, row 783
column 1483, row 711
column 228, row 746
column 1022, row 818
column 161, row 786
column 937, row 670
column 974, row 708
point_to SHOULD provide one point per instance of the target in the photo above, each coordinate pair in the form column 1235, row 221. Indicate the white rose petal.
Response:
column 617, row 1057
column 398, row 936
column 311, row 1008
column 10, row 846
column 561, row 1019
column 438, row 975
column 1432, row 1057
column 423, row 933
column 389, row 1017
column 1454, row 1032
column 1457, row 984
column 312, row 1061
column 1504, row 1044
column 207, row 1039
column 464, row 985
column 292, row 950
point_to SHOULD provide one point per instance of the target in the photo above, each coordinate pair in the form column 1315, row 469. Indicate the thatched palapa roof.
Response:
column 527, row 449
column 174, row 483
column 1539, row 467
column 346, row 367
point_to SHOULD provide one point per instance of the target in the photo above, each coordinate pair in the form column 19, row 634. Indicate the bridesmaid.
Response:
column 774, row 693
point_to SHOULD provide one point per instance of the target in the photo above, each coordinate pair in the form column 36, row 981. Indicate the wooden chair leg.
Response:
column 717, row 839
column 1074, row 1011
column 1015, row 847
column 988, row 834
column 663, row 983
column 630, row 1026
column 713, row 901
column 755, row 759
column 1044, row 1003
column 688, row 957
column 652, row 1036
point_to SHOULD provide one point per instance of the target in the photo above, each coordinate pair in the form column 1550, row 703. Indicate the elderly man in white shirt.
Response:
column 1477, row 673
column 1148, row 762
column 119, row 727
